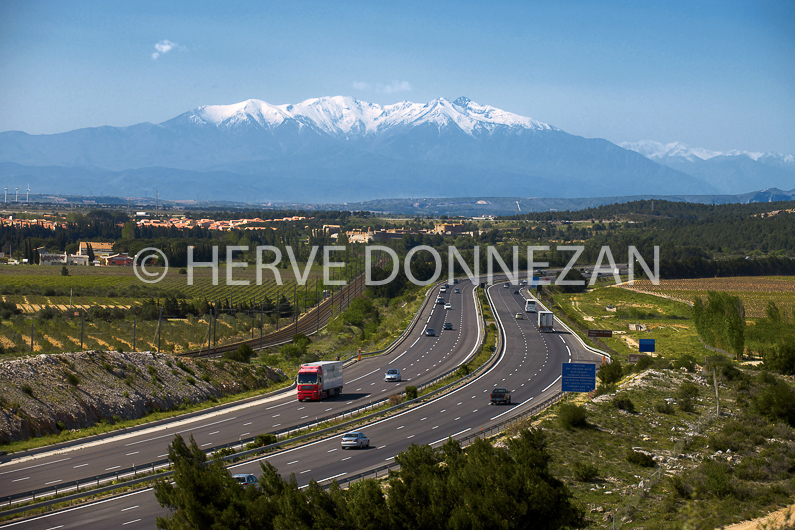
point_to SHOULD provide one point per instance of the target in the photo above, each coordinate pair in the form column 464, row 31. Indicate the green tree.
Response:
column 203, row 496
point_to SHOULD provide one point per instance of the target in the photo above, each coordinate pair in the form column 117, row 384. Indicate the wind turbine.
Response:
column 16, row 195
column 5, row 197
column 27, row 197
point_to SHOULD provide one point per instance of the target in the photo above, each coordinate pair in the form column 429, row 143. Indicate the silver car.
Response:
column 246, row 480
column 393, row 374
column 355, row 439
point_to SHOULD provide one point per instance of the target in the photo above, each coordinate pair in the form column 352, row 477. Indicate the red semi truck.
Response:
column 319, row 380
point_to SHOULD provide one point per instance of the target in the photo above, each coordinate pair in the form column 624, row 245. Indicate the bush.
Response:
column 776, row 402
column 639, row 459
column 72, row 379
column 664, row 408
column 571, row 416
column 585, row 472
column 190, row 380
column 27, row 389
column 686, row 361
column 644, row 363
column 624, row 403
column 411, row 392
column 265, row 439
column 60, row 426
column 395, row 399
column 610, row 373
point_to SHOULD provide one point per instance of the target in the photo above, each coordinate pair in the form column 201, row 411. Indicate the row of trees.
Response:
column 721, row 322
column 480, row 487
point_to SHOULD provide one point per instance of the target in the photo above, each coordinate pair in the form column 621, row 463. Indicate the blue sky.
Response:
column 718, row 75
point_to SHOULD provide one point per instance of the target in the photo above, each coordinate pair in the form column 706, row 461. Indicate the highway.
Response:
column 529, row 365
column 419, row 358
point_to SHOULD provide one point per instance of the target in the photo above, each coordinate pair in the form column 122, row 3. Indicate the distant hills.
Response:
column 340, row 149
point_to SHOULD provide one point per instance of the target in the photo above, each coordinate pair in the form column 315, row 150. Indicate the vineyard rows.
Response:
column 177, row 335
column 755, row 292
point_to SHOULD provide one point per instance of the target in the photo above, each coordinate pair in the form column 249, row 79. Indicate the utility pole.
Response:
column 159, row 319
column 135, row 328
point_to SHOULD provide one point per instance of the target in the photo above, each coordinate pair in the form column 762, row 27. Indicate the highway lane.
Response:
column 419, row 358
column 529, row 365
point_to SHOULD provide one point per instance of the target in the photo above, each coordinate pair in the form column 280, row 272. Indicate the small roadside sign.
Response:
column 635, row 357
column 578, row 377
column 600, row 333
column 646, row 345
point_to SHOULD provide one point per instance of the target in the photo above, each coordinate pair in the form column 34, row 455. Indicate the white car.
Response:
column 448, row 305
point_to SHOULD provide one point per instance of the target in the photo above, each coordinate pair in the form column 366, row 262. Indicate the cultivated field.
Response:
column 755, row 292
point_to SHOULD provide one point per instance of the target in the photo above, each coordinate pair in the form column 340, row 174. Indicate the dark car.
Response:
column 448, row 325
column 500, row 395
column 515, row 291
column 430, row 332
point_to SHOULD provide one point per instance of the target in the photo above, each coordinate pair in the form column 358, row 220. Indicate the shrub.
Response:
column 60, row 426
column 643, row 363
column 395, row 399
column 462, row 371
column 190, row 380
column 571, row 416
column 664, row 408
column 686, row 361
column 72, row 379
column 585, row 472
column 265, row 439
column 610, row 373
column 27, row 389
column 776, row 402
column 686, row 404
column 624, row 403
column 151, row 370
column 411, row 392
column 639, row 459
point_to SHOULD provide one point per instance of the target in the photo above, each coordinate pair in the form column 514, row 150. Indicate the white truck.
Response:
column 319, row 380
column 546, row 321
column 530, row 306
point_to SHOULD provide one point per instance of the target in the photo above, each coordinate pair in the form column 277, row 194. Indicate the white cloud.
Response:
column 394, row 86
column 163, row 47
column 390, row 88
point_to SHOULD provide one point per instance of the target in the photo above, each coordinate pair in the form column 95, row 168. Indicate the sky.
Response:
column 713, row 74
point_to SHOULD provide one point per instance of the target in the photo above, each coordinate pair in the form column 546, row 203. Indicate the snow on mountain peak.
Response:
column 343, row 115
column 660, row 152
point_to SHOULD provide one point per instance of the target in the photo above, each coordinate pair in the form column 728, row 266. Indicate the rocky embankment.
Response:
column 49, row 393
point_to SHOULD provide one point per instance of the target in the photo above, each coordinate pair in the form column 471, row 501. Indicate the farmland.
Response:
column 33, row 288
column 755, row 292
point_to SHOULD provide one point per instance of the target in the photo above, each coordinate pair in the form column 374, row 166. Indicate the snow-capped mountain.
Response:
column 342, row 115
column 339, row 149
column 730, row 171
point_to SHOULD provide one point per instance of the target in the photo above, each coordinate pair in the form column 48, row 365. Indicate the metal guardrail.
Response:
column 497, row 427
column 96, row 480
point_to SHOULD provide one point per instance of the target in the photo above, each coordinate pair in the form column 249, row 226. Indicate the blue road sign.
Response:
column 578, row 377
column 646, row 345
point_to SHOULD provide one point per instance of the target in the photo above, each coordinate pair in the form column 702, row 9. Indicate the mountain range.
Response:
column 338, row 149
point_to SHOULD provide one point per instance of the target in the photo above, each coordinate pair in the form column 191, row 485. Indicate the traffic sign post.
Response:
column 646, row 345
column 578, row 377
